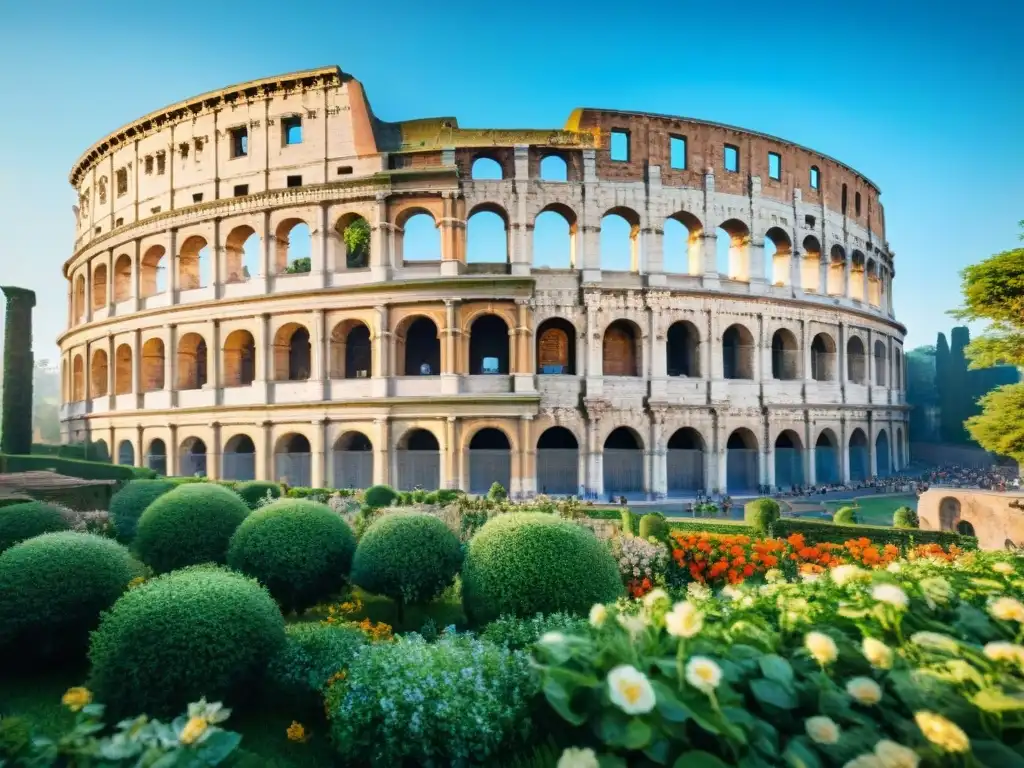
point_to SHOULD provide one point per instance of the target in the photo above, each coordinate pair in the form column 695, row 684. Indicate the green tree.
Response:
column 299, row 266
column 922, row 391
column 943, row 366
column 357, row 243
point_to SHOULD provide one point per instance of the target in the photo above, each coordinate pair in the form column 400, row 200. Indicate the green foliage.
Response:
column 311, row 655
column 1000, row 426
column 53, row 588
column 525, row 563
column 411, row 558
column 201, row 631
column 255, row 491
column 128, row 504
column 448, row 495
column 300, row 550
column 459, row 701
column 905, row 517
column 845, row 516
column 761, row 514
column 630, row 521
column 379, row 496
column 18, row 370
column 517, row 633
column 31, row 518
column 299, row 266
column 357, row 243
column 653, row 524
column 86, row 470
column 189, row 525
column 713, row 526
column 497, row 492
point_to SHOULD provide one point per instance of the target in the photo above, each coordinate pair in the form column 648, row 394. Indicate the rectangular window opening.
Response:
column 149, row 164
column 197, row 197
column 241, row 190
column 294, row 181
column 677, row 152
column 183, row 150
column 122, row 182
column 98, row 230
column 815, row 178
column 119, row 221
column 774, row 166
column 856, row 204
column 161, row 163
column 291, row 130
column 155, row 210
column 239, row 142
column 620, row 146
column 732, row 158
column 344, row 170
column 809, row 221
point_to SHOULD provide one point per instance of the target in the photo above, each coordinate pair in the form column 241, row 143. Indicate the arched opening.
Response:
column 623, row 462
column 789, row 459
column 487, row 235
column 882, row 456
column 620, row 240
column 78, row 379
column 293, row 461
column 490, row 460
column 123, row 370
column 778, row 251
column 192, row 458
column 420, row 348
column 558, row 462
column 419, row 461
column 897, row 370
column 856, row 368
column 489, row 346
column 823, row 358
column 354, row 234
column 964, row 528
column 156, row 456
column 682, row 350
column 810, row 265
column 857, row 270
column 860, row 456
column 153, row 365
column 785, row 355
column 241, row 255
column 126, row 453
column 192, row 362
column 239, row 460
column 733, row 249
column 358, row 353
column 553, row 168
column 98, row 451
column 99, row 287
column 737, row 353
column 556, row 347
column 153, row 274
column 194, row 264
column 353, row 461
column 122, row 278
column 486, row 169
column 417, row 238
column 826, row 459
column 881, row 357
column 742, row 475
column 620, row 352
column 100, row 371
column 292, row 353
column 239, row 359
column 684, row 462
column 554, row 238
column 292, row 247
column 837, row 271
column 900, row 462
column 683, row 244
column 79, row 301
column 949, row 513
column 874, row 284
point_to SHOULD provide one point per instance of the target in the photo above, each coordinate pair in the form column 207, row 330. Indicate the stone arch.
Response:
column 965, row 528
column 353, row 232
column 837, row 271
column 827, row 458
column 555, row 234
column 353, row 460
column 293, row 460
column 558, row 462
column 194, row 263
column 949, row 513
column 489, row 451
column 684, row 462
column 418, row 459
column 417, row 236
column 789, row 459
column 153, row 365
column 99, row 371
column 858, row 267
column 683, row 239
column 881, row 358
column 489, row 345
column 292, row 246
column 553, row 168
column 241, row 254
column 620, row 240
column 192, row 457
column 99, row 287
column 98, row 450
column 621, row 349
column 79, row 300
column 737, row 352
column 785, row 355
column 152, row 272
column 883, row 458
column 682, row 349
column 486, row 168
column 239, row 458
column 779, row 257
column 742, row 462
column 418, row 346
column 351, row 350
column 126, row 453
column 156, row 456
column 123, row 369
column 897, row 369
column 874, row 296
column 556, row 347
column 860, row 456
column 623, row 460
column 856, row 362
column 293, row 353
column 733, row 249
column 192, row 361
column 239, row 359
column 122, row 278
column 823, row 357
column 488, row 235
column 810, row 265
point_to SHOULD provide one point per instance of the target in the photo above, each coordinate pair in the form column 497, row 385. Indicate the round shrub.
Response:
column 128, row 504
column 201, row 631
column 654, row 525
column 379, row 496
column 524, row 563
column 300, row 550
column 845, row 516
column 53, row 588
column 191, row 524
column 31, row 518
column 761, row 514
column 447, row 495
column 255, row 491
column 410, row 558
column 905, row 517
column 311, row 655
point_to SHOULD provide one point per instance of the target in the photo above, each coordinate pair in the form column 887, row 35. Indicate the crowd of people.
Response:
column 995, row 477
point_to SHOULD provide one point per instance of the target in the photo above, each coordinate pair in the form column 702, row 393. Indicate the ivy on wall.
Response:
column 16, row 424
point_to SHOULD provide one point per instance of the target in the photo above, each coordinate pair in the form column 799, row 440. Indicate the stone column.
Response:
column 380, row 240
column 214, row 453
column 525, row 357
column 171, row 362
column 111, row 371
column 520, row 230
column 527, row 468
column 844, row 448
column 87, row 374
column 382, row 474
column 766, row 470
column 823, row 264
column 173, row 450
column 381, row 370
column 755, row 260
column 87, row 309
column 213, row 358
column 595, row 468
column 318, row 450
column 320, row 363
column 137, row 275
column 174, row 262
column 319, row 240
column 265, row 454
column 266, row 250
column 140, row 459
column 110, row 282
column 450, row 471
column 136, row 365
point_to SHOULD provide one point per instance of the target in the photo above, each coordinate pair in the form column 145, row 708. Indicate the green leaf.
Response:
column 994, row 700
column 219, row 745
column 995, row 753
column 699, row 759
column 658, row 750
column 561, row 701
column 638, row 734
column 776, row 668
column 799, row 754
column 772, row 693
column 668, row 704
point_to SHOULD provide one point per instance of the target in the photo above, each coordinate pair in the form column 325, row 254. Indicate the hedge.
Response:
column 87, row 470
column 84, row 451
column 305, row 493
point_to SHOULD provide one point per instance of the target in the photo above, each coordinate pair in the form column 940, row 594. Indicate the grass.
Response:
column 875, row 510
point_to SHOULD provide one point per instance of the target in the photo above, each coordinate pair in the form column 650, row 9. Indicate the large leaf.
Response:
column 560, row 700
column 699, row 759
column 638, row 734
column 996, row 754
column 668, row 704
column 994, row 700
column 800, row 754
column 776, row 668
column 774, row 694
column 219, row 745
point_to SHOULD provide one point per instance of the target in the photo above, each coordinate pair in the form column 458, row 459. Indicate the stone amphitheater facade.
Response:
column 196, row 344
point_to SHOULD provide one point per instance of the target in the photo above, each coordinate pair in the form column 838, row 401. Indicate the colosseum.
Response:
column 270, row 282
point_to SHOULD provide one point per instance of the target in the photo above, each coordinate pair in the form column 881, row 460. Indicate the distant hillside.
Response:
column 46, row 402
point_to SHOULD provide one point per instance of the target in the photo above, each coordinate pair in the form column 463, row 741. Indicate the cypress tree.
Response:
column 16, row 437
column 961, row 396
column 942, row 365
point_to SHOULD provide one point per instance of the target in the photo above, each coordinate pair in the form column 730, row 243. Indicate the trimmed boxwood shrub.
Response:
column 311, row 655
column 255, row 491
column 524, row 563
column 31, row 518
column 654, row 525
column 379, row 496
column 448, row 495
column 201, row 631
column 131, row 501
column 300, row 550
column 761, row 514
column 411, row 558
column 190, row 525
column 905, row 517
column 54, row 587
column 845, row 516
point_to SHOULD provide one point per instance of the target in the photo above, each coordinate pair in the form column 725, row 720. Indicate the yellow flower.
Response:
column 821, row 647
column 136, row 582
column 944, row 734
column 868, row 760
column 630, row 690
column 598, row 615
column 891, row 594
column 1001, row 651
column 773, row 575
column 296, row 732
column 1002, row 567
column 578, row 758
column 864, row 691
column 654, row 596
column 935, row 641
column 77, row 698
column 842, row 574
column 893, row 755
column 822, row 730
column 703, row 674
column 634, row 623
column 1007, row 609
column 684, row 620
column 193, row 730
column 878, row 654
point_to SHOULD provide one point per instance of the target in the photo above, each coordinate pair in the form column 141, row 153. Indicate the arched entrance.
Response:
column 882, row 456
column 964, row 528
column 353, row 461
column 419, row 461
column 741, row 463
column 156, row 456
column 420, row 348
column 860, row 459
column 239, row 460
column 684, row 462
column 488, row 346
column 623, row 463
column 949, row 513
column 192, row 458
column 490, row 460
column 789, row 459
column 556, row 347
column 126, row 453
column 558, row 462
column 826, row 459
column 293, row 462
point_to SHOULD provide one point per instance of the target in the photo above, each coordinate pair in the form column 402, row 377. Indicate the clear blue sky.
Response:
column 925, row 99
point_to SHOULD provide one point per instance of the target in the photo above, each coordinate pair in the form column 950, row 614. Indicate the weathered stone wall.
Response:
column 997, row 519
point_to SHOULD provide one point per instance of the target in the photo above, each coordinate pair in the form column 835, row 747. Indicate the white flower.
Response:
column 891, row 594
column 730, row 592
column 878, row 654
column 894, row 568
column 868, row 760
column 810, row 578
column 773, row 575
column 578, row 758
column 893, row 755
column 634, row 623
column 1001, row 566
column 864, row 691
column 822, row 730
column 630, row 690
column 935, row 640
column 652, row 597
column 552, row 638
column 936, row 591
column 703, row 673
column 1007, row 609
column 821, row 647
column 684, row 620
column 842, row 574
column 697, row 591
column 598, row 615
column 1001, row 651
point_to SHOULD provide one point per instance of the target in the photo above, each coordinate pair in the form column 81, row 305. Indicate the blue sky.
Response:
column 930, row 105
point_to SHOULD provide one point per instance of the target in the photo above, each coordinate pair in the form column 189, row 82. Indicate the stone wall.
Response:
column 997, row 519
